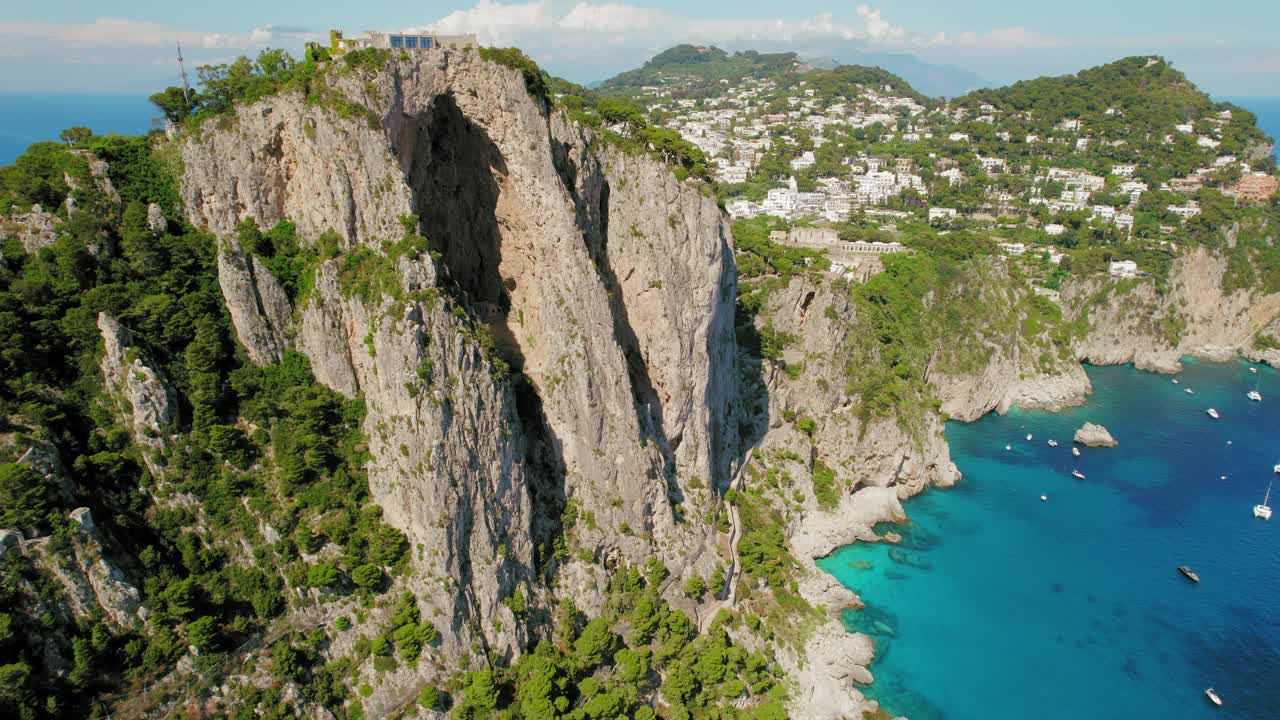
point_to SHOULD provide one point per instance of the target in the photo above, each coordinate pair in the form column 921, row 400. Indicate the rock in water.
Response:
column 1093, row 435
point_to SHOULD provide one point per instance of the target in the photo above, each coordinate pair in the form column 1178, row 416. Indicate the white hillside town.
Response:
column 804, row 154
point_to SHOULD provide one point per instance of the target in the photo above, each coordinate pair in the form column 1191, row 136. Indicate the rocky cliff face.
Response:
column 876, row 464
column 1139, row 324
column 140, row 393
column 605, row 285
column 260, row 309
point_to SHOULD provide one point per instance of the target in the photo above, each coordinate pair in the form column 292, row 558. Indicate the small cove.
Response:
column 997, row 605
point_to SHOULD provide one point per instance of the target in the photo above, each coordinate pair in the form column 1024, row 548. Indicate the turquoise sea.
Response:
column 999, row 606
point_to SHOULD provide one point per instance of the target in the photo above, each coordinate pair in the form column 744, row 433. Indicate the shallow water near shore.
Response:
column 997, row 605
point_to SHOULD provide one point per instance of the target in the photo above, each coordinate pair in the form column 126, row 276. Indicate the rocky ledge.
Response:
column 1094, row 435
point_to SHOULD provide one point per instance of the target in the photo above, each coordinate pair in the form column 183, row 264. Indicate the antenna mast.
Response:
column 186, row 86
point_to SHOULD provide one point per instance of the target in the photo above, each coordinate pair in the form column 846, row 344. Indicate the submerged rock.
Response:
column 1093, row 435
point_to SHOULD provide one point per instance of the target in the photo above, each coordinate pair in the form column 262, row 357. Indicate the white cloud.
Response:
column 121, row 34
column 540, row 27
column 1013, row 38
column 879, row 29
column 612, row 18
column 495, row 23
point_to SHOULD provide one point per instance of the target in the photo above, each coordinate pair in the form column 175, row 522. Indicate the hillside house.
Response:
column 1255, row 188
column 1124, row 269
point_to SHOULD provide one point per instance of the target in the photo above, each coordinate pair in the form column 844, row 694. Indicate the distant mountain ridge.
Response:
column 930, row 79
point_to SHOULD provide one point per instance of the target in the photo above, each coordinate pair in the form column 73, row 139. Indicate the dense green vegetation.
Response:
column 691, row 71
column 273, row 71
column 1131, row 103
column 840, row 80
column 638, row 653
column 253, row 446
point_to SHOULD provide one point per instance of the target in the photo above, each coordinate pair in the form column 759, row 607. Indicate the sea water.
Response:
column 27, row 118
column 997, row 605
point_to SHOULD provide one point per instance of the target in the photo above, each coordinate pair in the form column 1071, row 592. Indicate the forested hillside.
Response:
column 691, row 71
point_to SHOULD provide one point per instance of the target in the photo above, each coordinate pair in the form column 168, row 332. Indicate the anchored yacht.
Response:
column 1264, row 510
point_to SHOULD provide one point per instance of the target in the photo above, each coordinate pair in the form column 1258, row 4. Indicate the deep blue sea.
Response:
column 998, row 606
column 1268, row 112
column 26, row 118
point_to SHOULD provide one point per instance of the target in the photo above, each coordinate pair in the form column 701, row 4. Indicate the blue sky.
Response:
column 1229, row 47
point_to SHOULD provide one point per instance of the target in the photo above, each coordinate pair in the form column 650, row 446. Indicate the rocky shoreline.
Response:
column 832, row 686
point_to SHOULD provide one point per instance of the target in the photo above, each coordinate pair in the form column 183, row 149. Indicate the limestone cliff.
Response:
column 600, row 282
column 140, row 393
column 260, row 309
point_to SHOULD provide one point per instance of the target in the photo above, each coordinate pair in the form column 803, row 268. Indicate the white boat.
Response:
column 1053, row 443
column 1044, row 498
column 1277, row 468
column 1253, row 370
column 1075, row 451
column 1254, row 395
column 1028, row 436
column 1190, row 391
column 1264, row 510
column 1175, row 381
column 1213, row 696
column 1008, row 447
column 1077, row 474
column 1213, row 413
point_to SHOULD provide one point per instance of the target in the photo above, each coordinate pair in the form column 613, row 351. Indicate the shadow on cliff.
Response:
column 454, row 174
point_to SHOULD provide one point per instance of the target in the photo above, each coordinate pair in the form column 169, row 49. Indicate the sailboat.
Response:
column 1254, row 394
column 1264, row 510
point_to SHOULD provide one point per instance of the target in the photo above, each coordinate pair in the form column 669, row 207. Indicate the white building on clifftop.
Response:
column 339, row 45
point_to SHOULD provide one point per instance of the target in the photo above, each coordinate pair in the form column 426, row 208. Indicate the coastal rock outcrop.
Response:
column 1152, row 327
column 1092, row 435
